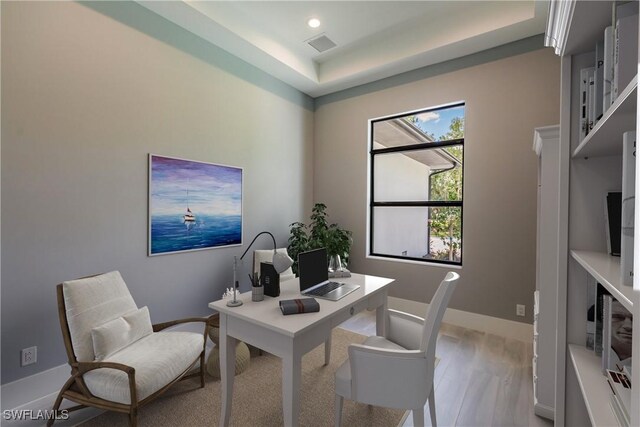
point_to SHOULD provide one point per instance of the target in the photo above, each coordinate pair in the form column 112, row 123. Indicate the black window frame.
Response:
column 427, row 203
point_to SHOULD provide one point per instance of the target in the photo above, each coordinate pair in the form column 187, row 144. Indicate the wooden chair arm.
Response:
column 160, row 326
column 84, row 367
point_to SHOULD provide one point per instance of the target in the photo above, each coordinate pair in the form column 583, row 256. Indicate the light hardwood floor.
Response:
column 481, row 380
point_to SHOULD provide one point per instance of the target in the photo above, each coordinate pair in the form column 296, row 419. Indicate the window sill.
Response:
column 410, row 261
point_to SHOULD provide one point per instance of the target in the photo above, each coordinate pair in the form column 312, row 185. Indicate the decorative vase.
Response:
column 334, row 263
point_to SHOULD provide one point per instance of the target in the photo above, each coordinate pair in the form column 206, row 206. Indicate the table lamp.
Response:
column 281, row 261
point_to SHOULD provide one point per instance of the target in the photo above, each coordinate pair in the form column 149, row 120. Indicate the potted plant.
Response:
column 318, row 234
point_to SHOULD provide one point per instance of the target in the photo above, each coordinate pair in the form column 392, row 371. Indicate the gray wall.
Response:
column 88, row 90
column 505, row 100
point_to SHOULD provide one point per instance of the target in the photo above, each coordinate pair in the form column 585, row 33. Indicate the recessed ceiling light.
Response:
column 313, row 22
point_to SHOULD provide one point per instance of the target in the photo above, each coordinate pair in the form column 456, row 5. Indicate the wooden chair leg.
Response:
column 432, row 407
column 202, row 368
column 338, row 409
column 133, row 417
column 58, row 401
column 418, row 417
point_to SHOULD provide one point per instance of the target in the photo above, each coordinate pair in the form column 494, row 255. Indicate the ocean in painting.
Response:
column 170, row 233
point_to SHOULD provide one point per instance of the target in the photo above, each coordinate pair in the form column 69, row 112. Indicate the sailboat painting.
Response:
column 193, row 205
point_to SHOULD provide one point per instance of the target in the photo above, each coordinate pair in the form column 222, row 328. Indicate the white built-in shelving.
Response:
column 590, row 169
column 605, row 139
column 606, row 270
column 593, row 385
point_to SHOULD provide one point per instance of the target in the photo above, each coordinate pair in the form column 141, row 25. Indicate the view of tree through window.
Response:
column 416, row 185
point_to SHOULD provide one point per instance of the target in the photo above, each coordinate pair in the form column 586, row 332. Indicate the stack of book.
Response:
column 615, row 65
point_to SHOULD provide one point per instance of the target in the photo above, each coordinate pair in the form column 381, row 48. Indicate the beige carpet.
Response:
column 257, row 397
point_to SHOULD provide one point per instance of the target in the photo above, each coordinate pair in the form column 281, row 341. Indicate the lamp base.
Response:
column 236, row 303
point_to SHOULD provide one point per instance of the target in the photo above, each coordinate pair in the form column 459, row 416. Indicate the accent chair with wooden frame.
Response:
column 108, row 373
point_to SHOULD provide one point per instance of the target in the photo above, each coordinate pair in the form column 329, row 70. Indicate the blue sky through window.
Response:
column 437, row 122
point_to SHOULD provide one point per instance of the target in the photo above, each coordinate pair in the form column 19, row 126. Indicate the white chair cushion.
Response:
column 118, row 333
column 343, row 374
column 92, row 302
column 158, row 359
column 266, row 255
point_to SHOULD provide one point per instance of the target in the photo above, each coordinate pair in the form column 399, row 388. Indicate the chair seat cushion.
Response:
column 158, row 359
column 343, row 374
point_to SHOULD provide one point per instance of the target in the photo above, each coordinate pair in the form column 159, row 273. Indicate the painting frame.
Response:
column 217, row 219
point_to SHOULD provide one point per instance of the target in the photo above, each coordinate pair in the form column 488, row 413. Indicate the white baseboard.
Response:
column 39, row 391
column 544, row 411
column 478, row 322
column 32, row 388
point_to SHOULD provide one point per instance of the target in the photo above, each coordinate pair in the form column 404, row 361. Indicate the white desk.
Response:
column 262, row 325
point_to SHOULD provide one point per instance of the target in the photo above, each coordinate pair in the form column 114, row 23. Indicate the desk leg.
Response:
column 227, row 370
column 291, row 373
column 381, row 318
column 327, row 350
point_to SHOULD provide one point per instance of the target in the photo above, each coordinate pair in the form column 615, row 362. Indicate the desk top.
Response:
column 267, row 313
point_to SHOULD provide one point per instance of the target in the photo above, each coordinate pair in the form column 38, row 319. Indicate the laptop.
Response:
column 314, row 277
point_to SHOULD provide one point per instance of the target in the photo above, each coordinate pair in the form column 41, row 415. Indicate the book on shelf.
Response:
column 625, row 52
column 586, row 76
column 613, row 218
column 601, row 291
column 607, row 68
column 599, row 81
column 628, row 206
column 591, row 313
column 606, row 333
column 591, row 101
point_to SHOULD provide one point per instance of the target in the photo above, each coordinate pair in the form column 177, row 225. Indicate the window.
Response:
column 416, row 164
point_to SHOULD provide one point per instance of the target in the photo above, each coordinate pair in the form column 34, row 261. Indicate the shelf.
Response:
column 593, row 384
column 605, row 139
column 606, row 269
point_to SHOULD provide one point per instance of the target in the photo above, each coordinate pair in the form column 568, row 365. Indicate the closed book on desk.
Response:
column 300, row 305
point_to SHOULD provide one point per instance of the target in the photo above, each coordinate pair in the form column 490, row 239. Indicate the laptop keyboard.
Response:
column 324, row 289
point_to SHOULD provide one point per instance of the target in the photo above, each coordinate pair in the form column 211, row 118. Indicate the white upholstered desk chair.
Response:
column 267, row 256
column 397, row 371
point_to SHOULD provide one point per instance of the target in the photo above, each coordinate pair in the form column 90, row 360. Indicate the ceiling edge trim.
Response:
column 518, row 47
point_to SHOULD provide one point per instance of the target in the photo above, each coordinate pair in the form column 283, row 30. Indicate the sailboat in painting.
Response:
column 189, row 216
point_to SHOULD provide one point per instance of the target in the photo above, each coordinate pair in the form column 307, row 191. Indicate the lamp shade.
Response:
column 281, row 261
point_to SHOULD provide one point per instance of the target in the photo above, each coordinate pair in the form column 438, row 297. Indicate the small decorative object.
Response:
column 257, row 291
column 318, row 234
column 228, row 293
column 193, row 205
column 334, row 263
column 281, row 262
column 270, row 279
column 299, row 306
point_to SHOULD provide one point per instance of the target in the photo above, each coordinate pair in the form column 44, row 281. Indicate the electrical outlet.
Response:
column 520, row 310
column 28, row 356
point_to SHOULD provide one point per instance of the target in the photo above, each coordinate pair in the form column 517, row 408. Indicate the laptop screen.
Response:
column 312, row 268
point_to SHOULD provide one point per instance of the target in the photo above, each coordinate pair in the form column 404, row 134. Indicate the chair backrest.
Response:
column 435, row 312
column 87, row 303
column 266, row 255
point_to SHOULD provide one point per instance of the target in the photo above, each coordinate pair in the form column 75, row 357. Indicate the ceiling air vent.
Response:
column 321, row 43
